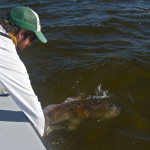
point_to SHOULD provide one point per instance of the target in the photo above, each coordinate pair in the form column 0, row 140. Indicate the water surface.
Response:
column 100, row 49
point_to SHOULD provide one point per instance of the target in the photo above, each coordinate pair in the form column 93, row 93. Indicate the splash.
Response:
column 99, row 93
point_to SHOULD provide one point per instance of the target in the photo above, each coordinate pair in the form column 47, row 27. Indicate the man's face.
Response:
column 24, row 42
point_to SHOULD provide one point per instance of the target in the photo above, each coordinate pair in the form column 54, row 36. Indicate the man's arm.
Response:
column 14, row 77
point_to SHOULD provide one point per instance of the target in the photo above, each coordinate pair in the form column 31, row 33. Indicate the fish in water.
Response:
column 70, row 113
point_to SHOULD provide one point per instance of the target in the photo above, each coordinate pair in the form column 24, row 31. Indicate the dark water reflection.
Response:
column 97, row 49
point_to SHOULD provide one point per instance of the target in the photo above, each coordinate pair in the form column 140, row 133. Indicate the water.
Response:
column 100, row 49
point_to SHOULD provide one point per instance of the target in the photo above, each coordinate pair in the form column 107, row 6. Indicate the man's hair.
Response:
column 12, row 28
column 9, row 26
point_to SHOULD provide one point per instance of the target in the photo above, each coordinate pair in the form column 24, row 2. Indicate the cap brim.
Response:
column 41, row 37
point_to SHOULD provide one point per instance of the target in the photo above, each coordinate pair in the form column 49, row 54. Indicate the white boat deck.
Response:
column 16, row 132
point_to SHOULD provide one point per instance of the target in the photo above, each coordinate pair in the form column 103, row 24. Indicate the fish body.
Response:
column 76, row 110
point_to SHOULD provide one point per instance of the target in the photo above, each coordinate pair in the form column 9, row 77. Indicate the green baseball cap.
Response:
column 26, row 18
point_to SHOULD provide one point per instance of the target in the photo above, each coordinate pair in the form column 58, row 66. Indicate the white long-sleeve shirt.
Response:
column 14, row 77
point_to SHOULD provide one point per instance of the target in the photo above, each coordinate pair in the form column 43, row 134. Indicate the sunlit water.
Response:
column 96, row 49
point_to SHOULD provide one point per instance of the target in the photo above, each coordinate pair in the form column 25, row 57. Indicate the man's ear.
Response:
column 20, row 35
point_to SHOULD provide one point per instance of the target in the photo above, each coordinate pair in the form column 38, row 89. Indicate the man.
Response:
column 17, row 31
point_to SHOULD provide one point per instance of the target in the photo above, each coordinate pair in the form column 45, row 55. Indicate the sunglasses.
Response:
column 33, row 38
column 31, row 35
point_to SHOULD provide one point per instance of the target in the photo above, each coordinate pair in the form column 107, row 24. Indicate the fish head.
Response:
column 104, row 110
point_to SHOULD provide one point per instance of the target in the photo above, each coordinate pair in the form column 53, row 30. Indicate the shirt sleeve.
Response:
column 14, row 77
